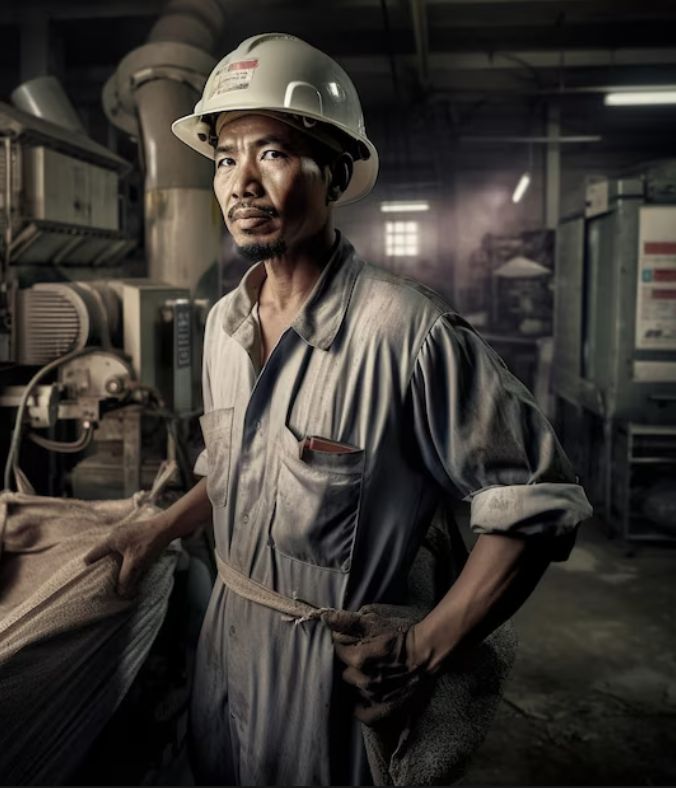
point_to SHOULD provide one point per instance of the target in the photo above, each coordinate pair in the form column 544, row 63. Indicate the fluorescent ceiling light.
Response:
column 628, row 98
column 521, row 186
column 404, row 207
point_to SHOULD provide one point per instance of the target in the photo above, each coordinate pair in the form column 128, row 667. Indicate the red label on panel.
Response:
column 659, row 247
column 243, row 65
column 665, row 294
column 664, row 275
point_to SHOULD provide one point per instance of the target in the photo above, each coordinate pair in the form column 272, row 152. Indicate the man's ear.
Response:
column 341, row 175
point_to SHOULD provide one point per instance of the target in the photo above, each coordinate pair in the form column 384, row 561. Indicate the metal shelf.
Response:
column 626, row 471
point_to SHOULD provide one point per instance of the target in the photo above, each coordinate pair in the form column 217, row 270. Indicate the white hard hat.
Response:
column 280, row 73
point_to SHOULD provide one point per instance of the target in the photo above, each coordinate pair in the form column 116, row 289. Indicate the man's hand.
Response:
column 136, row 546
column 382, row 663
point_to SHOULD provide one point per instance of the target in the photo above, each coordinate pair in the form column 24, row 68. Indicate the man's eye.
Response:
column 226, row 161
column 273, row 154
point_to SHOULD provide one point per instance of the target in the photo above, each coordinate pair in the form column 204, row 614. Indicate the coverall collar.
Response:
column 321, row 316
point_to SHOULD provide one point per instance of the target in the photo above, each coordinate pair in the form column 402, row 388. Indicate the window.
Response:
column 401, row 239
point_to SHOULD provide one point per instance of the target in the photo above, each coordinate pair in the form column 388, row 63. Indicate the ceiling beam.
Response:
column 481, row 61
column 13, row 13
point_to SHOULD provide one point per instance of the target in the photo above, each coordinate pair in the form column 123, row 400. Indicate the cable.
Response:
column 390, row 48
column 172, row 421
column 21, row 410
column 64, row 447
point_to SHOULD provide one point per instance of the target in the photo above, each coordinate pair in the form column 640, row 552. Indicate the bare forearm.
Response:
column 139, row 543
column 188, row 513
column 498, row 577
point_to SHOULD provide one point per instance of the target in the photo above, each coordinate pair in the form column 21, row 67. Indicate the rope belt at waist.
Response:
column 292, row 609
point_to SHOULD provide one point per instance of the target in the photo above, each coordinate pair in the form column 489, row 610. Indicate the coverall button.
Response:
column 245, row 518
column 347, row 565
column 232, row 629
column 259, row 424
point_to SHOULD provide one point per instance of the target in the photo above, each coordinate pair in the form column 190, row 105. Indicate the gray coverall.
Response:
column 383, row 364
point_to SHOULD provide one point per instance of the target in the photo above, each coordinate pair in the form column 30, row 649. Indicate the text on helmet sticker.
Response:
column 237, row 76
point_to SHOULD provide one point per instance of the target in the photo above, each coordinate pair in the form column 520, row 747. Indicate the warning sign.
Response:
column 656, row 296
column 237, row 76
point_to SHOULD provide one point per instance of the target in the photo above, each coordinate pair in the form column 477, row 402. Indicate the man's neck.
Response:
column 291, row 277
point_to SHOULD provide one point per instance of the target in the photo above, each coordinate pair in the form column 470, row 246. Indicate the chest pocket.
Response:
column 217, row 430
column 316, row 504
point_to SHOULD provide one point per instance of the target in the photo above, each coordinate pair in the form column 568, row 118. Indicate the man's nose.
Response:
column 247, row 181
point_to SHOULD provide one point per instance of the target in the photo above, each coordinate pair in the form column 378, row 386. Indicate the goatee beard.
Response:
column 256, row 252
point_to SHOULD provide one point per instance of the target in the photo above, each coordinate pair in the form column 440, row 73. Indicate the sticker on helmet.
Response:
column 237, row 76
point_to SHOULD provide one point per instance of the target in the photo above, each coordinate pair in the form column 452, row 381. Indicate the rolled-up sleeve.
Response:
column 201, row 467
column 483, row 438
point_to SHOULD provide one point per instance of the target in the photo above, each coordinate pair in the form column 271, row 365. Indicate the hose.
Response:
column 64, row 447
column 160, row 411
column 21, row 410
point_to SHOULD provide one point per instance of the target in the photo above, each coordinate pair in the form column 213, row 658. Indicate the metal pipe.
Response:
column 153, row 86
column 540, row 140
column 553, row 166
column 6, row 333
column 6, row 259
column 182, row 238
column 168, row 162
column 419, row 14
column 199, row 23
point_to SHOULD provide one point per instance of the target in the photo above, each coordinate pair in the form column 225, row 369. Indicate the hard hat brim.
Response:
column 365, row 170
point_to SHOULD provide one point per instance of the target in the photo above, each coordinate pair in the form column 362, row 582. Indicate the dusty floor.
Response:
column 592, row 697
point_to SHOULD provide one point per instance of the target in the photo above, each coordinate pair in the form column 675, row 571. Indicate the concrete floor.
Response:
column 590, row 701
column 592, row 697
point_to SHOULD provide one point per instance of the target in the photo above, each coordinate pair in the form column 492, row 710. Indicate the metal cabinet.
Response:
column 614, row 366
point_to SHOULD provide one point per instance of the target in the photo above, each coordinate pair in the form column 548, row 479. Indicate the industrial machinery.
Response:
column 510, row 300
column 117, row 352
column 125, row 350
column 103, row 300
column 112, row 341
column 614, row 370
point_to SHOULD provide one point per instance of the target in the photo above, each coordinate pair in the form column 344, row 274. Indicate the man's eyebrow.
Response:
column 270, row 139
column 273, row 139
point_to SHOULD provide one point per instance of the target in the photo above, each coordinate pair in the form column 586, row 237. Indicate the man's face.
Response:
column 271, row 191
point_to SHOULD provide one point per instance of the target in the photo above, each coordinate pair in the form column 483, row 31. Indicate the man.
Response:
column 342, row 403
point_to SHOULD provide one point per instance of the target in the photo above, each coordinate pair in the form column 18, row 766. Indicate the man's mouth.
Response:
column 249, row 218
column 243, row 210
column 251, row 213
column 252, row 222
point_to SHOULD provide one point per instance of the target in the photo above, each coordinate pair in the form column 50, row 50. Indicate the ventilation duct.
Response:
column 45, row 98
column 154, row 85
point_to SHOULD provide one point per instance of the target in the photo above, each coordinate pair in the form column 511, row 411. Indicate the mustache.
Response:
column 243, row 206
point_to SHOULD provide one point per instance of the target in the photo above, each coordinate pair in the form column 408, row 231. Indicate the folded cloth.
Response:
column 433, row 743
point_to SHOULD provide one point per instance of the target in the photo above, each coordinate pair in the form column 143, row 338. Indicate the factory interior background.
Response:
column 528, row 174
